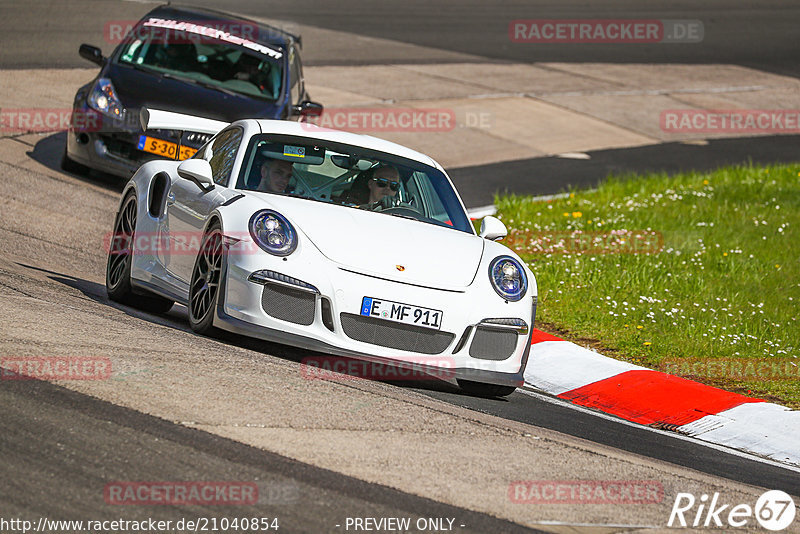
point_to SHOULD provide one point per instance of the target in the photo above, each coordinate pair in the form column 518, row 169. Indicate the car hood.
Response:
column 138, row 89
column 382, row 245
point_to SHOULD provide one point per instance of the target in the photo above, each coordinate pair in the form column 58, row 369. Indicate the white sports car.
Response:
column 326, row 240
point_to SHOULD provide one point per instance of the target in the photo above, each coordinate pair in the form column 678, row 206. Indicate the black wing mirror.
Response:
column 307, row 108
column 92, row 53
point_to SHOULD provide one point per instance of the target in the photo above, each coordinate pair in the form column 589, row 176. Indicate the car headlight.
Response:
column 273, row 233
column 508, row 278
column 103, row 98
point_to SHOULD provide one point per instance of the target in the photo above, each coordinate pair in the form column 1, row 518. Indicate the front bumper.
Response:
column 111, row 146
column 333, row 303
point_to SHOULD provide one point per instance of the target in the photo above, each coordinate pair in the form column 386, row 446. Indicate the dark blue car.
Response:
column 187, row 60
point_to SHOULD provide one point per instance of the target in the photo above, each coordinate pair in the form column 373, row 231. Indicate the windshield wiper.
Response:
column 198, row 82
column 138, row 67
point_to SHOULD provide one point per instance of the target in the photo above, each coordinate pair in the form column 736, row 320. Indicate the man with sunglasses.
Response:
column 385, row 182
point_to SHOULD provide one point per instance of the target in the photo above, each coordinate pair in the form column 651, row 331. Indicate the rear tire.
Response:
column 71, row 165
column 118, row 266
column 479, row 389
column 204, row 286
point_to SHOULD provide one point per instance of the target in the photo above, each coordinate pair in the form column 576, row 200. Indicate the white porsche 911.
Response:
column 331, row 241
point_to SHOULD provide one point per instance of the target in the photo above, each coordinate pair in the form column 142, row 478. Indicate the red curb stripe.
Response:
column 539, row 336
column 648, row 397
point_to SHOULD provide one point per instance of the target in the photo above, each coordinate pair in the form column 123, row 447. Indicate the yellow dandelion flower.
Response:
column 724, row 253
column 777, row 266
column 577, row 214
column 646, row 343
column 572, row 195
column 566, row 214
column 639, row 327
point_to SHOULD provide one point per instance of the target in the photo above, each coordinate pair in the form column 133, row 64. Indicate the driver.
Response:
column 385, row 182
column 275, row 175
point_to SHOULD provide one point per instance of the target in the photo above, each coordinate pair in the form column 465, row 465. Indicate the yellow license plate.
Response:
column 163, row 148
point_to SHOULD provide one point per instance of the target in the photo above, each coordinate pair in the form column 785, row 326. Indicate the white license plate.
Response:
column 401, row 313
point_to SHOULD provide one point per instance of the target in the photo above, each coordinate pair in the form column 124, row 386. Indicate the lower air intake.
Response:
column 493, row 344
column 395, row 335
column 288, row 304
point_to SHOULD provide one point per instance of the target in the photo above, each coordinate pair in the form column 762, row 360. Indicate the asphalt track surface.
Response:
column 59, row 446
column 760, row 33
column 47, row 422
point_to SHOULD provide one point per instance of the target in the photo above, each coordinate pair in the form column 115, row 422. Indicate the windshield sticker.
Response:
column 296, row 151
column 213, row 33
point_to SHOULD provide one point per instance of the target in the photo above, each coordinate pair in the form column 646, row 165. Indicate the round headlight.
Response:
column 508, row 278
column 273, row 233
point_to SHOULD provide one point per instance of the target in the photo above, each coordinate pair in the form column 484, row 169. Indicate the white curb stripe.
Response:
column 560, row 366
column 762, row 428
column 767, row 430
column 728, row 450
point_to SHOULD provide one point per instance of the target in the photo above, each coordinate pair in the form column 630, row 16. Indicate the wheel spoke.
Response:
column 122, row 243
column 206, row 275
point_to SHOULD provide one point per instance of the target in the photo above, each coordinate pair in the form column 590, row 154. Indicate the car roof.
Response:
column 304, row 129
column 198, row 14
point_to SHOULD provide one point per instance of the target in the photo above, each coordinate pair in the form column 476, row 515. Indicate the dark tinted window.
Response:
column 221, row 152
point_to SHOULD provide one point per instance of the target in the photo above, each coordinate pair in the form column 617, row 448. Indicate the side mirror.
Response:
column 92, row 53
column 493, row 228
column 307, row 108
column 197, row 171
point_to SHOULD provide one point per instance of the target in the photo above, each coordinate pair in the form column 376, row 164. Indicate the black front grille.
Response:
column 493, row 344
column 395, row 335
column 288, row 304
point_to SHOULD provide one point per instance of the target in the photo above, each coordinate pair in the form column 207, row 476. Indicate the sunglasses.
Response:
column 383, row 182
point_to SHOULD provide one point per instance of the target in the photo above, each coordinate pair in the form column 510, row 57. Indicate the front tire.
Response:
column 479, row 389
column 204, row 287
column 120, row 257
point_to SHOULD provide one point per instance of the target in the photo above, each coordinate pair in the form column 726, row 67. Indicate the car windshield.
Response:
column 207, row 61
column 351, row 176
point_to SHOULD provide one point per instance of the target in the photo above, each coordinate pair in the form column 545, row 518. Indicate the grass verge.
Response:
column 696, row 274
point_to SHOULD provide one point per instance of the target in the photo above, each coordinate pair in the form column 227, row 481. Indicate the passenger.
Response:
column 275, row 175
column 249, row 69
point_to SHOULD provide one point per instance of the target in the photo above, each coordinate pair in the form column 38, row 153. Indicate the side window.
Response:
column 221, row 153
column 295, row 76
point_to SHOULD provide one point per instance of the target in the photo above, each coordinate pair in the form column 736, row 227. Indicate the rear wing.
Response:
column 156, row 119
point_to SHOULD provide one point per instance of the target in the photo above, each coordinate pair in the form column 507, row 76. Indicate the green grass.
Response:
column 725, row 288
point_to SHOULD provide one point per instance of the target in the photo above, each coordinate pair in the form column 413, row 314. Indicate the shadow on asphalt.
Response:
column 177, row 319
column 549, row 175
column 48, row 152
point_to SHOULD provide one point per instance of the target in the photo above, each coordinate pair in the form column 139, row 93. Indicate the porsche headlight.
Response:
column 508, row 278
column 103, row 98
column 273, row 233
